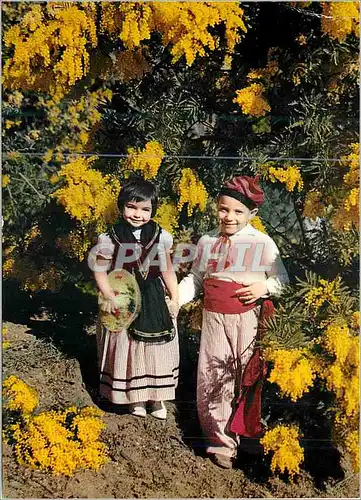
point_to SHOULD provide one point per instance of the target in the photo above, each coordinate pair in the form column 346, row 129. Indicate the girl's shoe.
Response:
column 138, row 409
column 158, row 410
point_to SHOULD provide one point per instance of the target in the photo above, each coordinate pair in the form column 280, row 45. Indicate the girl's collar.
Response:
column 123, row 232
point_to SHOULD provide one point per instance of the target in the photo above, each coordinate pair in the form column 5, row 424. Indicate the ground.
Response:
column 148, row 458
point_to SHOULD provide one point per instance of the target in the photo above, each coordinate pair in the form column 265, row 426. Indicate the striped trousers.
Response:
column 227, row 342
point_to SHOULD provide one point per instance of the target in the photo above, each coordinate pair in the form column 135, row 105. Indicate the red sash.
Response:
column 219, row 296
column 247, row 418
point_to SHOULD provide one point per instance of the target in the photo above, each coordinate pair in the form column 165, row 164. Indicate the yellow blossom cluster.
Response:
column 283, row 441
column 355, row 320
column 183, row 25
column 60, row 442
column 337, row 340
column 251, row 100
column 51, row 44
column 31, row 235
column 10, row 247
column 7, row 267
column 5, row 343
column 19, row 396
column 167, row 216
column 191, row 191
column 352, row 199
column 267, row 73
column 129, row 21
column 146, row 161
column 75, row 244
column 30, row 276
column 227, row 64
column 186, row 26
column 257, row 223
column 50, row 48
column 347, row 213
column 5, row 180
column 77, row 117
column 13, row 99
column 352, row 445
column 325, row 292
column 301, row 39
column 22, row 267
column 54, row 178
column 313, row 206
column 290, row 176
column 12, row 123
column 352, row 160
column 34, row 135
column 87, row 195
column 339, row 19
column 292, row 371
column 342, row 375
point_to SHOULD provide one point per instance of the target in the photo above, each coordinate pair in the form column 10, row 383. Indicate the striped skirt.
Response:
column 133, row 371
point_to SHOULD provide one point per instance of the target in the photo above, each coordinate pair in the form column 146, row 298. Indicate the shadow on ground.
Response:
column 67, row 320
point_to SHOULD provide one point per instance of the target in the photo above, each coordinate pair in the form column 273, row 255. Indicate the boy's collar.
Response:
column 247, row 229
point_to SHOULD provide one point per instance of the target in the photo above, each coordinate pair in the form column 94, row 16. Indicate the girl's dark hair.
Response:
column 138, row 189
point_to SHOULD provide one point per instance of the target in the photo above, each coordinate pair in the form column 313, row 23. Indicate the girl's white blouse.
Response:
column 106, row 246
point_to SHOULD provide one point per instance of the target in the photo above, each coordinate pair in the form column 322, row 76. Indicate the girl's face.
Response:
column 233, row 215
column 137, row 213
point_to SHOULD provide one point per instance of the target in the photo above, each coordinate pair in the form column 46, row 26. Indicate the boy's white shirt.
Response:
column 275, row 278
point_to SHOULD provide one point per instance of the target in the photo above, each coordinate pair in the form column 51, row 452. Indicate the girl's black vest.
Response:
column 154, row 323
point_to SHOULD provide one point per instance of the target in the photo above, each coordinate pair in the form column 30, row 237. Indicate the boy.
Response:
column 236, row 265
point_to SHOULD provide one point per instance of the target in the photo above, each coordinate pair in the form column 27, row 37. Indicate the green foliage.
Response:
column 285, row 330
column 190, row 111
column 27, row 192
column 295, row 323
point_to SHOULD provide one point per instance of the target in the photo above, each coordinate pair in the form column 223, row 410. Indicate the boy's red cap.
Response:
column 244, row 186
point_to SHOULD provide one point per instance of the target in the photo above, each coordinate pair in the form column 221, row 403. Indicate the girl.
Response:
column 236, row 265
column 139, row 366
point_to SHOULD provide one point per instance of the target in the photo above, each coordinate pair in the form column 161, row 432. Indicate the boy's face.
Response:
column 137, row 213
column 233, row 215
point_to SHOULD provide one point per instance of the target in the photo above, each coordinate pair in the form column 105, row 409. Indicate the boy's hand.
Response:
column 251, row 292
column 173, row 307
column 107, row 304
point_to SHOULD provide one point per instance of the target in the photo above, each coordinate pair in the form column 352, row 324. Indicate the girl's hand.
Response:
column 250, row 293
column 173, row 307
column 107, row 303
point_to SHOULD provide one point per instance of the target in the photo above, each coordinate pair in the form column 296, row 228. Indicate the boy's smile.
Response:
column 233, row 215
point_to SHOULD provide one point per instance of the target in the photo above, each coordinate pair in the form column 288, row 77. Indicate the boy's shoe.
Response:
column 138, row 409
column 158, row 410
column 222, row 461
